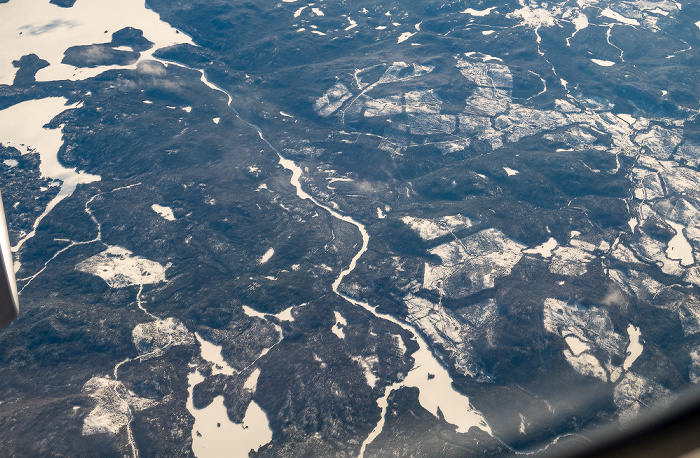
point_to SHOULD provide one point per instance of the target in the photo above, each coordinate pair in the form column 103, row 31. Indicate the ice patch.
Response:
column 580, row 22
column 266, row 257
column 634, row 350
column 286, row 314
column 603, row 63
column 251, row 382
column 401, row 71
column 119, row 268
column 576, row 345
column 629, row 119
column 405, row 36
column 679, row 248
column 165, row 212
column 479, row 13
column 545, row 249
column 212, row 354
column 340, row 323
column 298, row 12
column 608, row 13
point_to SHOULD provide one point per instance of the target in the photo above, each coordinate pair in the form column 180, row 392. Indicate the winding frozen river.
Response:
column 436, row 390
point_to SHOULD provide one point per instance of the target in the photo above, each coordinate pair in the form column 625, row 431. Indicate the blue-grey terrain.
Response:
column 346, row 228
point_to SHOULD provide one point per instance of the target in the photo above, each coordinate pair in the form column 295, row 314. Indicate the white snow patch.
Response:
column 431, row 229
column 570, row 261
column 603, row 63
column 472, row 264
column 340, row 323
column 580, row 22
column 165, row 212
column 511, row 172
column 332, row 99
column 534, row 17
column 629, row 119
column 607, row 12
column 545, row 249
column 119, row 268
column 586, row 364
column 114, row 406
column 266, row 257
column 474, row 12
column 10, row 162
column 216, row 120
column 405, row 36
column 635, row 346
column 576, row 345
column 679, row 248
column 317, row 11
